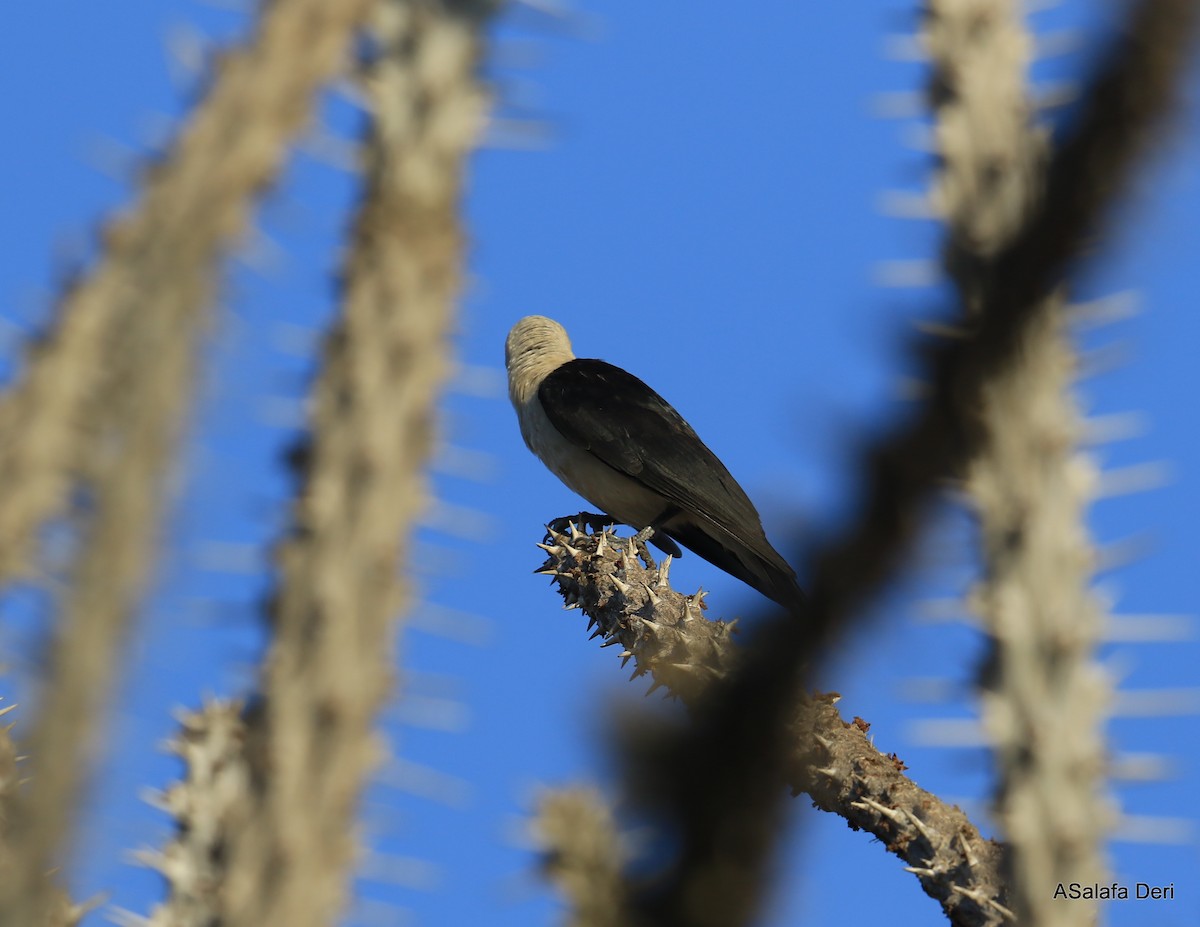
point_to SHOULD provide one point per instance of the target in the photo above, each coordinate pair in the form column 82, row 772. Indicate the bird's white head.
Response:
column 535, row 347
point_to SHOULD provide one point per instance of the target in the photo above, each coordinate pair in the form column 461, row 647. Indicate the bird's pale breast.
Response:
column 624, row 499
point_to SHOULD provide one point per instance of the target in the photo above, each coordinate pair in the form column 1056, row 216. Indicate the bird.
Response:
column 615, row 441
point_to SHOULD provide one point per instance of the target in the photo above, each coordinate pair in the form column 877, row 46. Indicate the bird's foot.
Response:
column 639, row 545
column 587, row 520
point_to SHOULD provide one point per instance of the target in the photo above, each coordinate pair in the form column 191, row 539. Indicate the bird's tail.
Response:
column 759, row 566
column 781, row 586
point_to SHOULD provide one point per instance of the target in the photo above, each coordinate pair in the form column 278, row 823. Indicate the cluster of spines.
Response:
column 629, row 601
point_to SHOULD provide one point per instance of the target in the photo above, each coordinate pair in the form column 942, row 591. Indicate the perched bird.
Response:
column 621, row 446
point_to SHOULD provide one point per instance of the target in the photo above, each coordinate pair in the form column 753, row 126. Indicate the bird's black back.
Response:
column 631, row 428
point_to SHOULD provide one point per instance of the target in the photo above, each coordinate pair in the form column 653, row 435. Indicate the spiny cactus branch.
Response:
column 362, row 472
column 103, row 395
column 583, row 854
column 1044, row 696
column 664, row 633
column 214, row 793
column 59, row 910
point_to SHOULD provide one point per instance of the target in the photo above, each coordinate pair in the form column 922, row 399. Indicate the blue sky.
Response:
column 702, row 207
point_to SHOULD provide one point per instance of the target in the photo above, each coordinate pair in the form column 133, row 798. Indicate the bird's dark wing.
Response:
column 628, row 426
column 631, row 428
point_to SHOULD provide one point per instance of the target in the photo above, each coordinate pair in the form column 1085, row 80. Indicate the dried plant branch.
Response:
column 1044, row 695
column 1121, row 115
column 583, row 854
column 630, row 603
column 330, row 663
column 727, row 832
column 159, row 258
column 214, row 792
column 104, row 394
column 963, row 871
column 59, row 910
column 140, row 406
column 991, row 157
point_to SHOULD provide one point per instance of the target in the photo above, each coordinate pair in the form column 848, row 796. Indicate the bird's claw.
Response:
column 641, row 549
column 588, row 520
